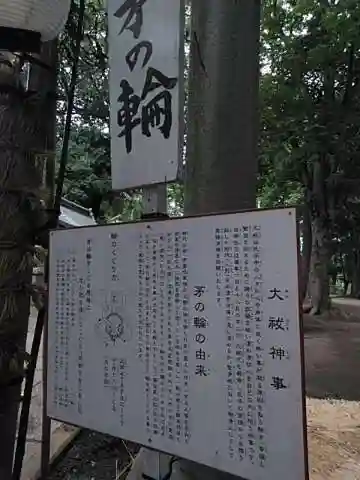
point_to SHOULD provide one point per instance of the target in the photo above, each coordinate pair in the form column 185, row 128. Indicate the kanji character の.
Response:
column 199, row 307
column 200, row 338
column 133, row 55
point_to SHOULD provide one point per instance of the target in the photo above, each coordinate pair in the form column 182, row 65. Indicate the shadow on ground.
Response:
column 332, row 356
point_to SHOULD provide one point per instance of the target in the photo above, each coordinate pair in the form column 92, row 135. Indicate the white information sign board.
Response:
column 146, row 77
column 183, row 336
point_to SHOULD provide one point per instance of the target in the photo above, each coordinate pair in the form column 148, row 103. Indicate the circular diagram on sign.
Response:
column 114, row 326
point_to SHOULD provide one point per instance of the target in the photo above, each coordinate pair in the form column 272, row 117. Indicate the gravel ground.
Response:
column 94, row 456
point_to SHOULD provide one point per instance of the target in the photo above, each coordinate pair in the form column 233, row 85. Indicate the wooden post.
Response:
column 222, row 121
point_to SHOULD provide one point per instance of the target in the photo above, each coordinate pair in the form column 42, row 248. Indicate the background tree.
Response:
column 310, row 117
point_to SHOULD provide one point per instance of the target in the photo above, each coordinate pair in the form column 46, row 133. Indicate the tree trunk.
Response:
column 305, row 254
column 355, row 275
column 346, row 270
column 19, row 219
column 319, row 289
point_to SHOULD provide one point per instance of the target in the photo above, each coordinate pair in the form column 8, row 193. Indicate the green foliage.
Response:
column 310, row 99
column 88, row 176
column 175, row 200
column 309, row 88
column 310, row 118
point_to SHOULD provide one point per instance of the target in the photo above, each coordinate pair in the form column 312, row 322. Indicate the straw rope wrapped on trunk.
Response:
column 21, row 215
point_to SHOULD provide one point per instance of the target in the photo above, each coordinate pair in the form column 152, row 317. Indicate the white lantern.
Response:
column 23, row 21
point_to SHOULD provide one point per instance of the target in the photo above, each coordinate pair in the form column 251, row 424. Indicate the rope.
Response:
column 52, row 223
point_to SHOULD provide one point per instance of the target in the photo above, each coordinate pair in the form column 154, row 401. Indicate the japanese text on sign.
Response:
column 145, row 84
column 187, row 333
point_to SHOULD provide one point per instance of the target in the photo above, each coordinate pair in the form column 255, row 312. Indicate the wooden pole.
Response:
column 222, row 130
column 222, row 121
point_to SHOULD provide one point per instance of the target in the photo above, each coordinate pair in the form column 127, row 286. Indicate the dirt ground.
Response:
column 332, row 363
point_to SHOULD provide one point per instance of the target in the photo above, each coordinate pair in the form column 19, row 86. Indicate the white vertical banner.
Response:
column 146, row 40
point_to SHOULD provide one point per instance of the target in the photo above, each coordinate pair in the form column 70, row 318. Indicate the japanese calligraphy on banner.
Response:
column 183, row 335
column 146, row 83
